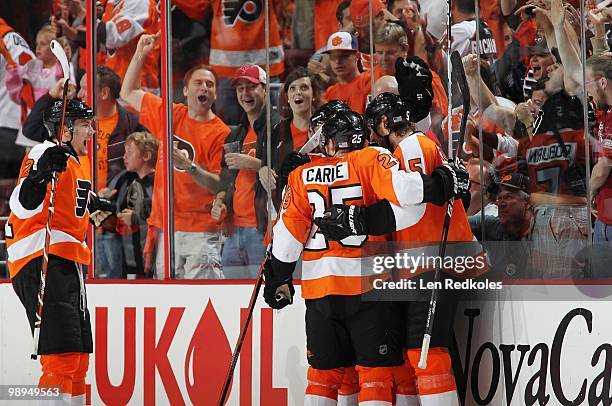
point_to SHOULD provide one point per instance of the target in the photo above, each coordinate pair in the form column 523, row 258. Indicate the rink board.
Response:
column 172, row 343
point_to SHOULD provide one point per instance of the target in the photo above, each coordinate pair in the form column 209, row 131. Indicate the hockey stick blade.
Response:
column 59, row 53
column 312, row 142
column 458, row 75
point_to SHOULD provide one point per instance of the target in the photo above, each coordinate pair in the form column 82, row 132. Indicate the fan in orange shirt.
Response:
column 198, row 145
column 352, row 87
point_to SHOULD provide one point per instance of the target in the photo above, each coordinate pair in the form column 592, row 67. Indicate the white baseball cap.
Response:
column 340, row 41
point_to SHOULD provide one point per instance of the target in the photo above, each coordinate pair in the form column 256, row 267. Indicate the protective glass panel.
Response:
column 529, row 154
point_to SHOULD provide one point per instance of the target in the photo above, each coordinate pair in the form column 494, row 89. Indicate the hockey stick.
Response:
column 460, row 79
column 59, row 53
column 245, row 327
column 312, row 142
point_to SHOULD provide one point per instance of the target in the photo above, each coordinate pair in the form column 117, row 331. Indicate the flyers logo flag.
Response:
column 247, row 11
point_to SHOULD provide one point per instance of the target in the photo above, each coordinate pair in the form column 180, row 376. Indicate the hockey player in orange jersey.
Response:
column 341, row 329
column 389, row 119
column 65, row 332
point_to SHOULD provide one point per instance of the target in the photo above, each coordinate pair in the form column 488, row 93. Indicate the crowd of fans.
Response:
column 533, row 164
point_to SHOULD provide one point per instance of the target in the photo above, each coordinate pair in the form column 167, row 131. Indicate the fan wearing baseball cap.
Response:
column 352, row 87
column 241, row 199
column 515, row 222
column 360, row 16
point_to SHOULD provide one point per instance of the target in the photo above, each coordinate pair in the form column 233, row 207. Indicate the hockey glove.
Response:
column 54, row 159
column 292, row 161
column 414, row 84
column 340, row 221
column 278, row 291
column 452, row 180
column 100, row 209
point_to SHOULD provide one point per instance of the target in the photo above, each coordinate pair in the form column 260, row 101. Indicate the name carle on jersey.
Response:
column 326, row 175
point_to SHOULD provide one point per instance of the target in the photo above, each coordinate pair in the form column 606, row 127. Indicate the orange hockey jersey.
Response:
column 363, row 177
column 25, row 229
column 418, row 153
column 238, row 37
column 125, row 21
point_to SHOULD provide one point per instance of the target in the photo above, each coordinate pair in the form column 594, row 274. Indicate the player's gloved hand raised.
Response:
column 100, row 209
column 454, row 181
column 54, row 159
column 291, row 162
column 340, row 221
column 414, row 84
column 278, row 290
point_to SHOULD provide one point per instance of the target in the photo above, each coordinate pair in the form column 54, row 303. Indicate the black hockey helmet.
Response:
column 75, row 110
column 389, row 105
column 326, row 111
column 347, row 129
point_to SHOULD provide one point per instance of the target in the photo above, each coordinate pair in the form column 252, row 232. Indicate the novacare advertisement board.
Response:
column 172, row 344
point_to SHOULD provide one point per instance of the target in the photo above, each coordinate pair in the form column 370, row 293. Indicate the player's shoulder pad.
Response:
column 371, row 151
column 370, row 155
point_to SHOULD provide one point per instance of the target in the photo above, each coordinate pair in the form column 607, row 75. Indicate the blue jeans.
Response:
column 242, row 254
column 601, row 261
column 109, row 256
column 602, row 232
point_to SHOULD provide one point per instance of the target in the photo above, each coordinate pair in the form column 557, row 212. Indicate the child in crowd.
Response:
column 134, row 193
column 41, row 73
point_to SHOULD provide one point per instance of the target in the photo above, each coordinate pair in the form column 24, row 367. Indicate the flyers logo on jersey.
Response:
column 247, row 11
column 326, row 175
column 185, row 148
column 82, row 197
column 287, row 197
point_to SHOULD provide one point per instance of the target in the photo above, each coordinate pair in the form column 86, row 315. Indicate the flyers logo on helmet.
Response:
column 247, row 11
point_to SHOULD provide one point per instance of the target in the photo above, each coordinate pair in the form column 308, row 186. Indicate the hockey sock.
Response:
column 435, row 384
column 376, row 385
column 323, row 385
